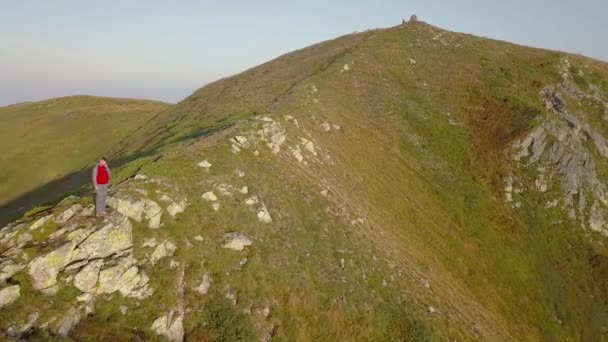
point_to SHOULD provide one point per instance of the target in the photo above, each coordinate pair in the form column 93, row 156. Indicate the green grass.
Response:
column 46, row 140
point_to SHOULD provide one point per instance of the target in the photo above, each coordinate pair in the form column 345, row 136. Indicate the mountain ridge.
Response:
column 370, row 201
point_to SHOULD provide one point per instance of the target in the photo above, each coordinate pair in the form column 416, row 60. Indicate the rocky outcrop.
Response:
column 558, row 150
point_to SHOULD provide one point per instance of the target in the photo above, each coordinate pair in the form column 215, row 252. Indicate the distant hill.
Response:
column 43, row 141
column 400, row 184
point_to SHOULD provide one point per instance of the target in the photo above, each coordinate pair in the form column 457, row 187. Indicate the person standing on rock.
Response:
column 101, row 179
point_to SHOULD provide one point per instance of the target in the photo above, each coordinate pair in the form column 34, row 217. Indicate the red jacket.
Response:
column 101, row 175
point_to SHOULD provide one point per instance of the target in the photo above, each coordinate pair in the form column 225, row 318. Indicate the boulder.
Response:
column 205, row 285
column 126, row 278
column 209, row 196
column 263, row 215
column 177, row 208
column 40, row 222
column 9, row 294
column 171, row 328
column 67, row 214
column 204, row 164
column 165, row 249
column 8, row 269
column 128, row 206
column 150, row 242
column 236, row 241
column 69, row 321
column 326, row 126
column 114, row 236
column 44, row 269
column 86, row 279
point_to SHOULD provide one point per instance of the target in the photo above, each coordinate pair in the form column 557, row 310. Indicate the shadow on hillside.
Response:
column 79, row 183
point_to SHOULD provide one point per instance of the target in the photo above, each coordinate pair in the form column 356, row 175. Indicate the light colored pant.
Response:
column 100, row 198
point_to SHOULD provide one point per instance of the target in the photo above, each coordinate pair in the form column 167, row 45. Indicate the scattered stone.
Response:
column 27, row 327
column 253, row 200
column 69, row 321
column 234, row 149
column 85, row 297
column 68, row 214
column 150, row 242
column 89, row 307
column 274, row 136
column 425, row 283
column 50, row 291
column 123, row 309
column 215, row 206
column 171, row 328
column 231, row 296
column 140, row 177
column 88, row 211
column 431, row 309
column 24, row 239
column 297, row 153
column 57, row 234
column 87, row 278
column 165, row 249
column 244, row 190
column 345, row 68
column 412, row 61
column 177, row 208
column 204, row 164
column 40, row 222
column 308, row 145
column 266, row 312
column 198, row 238
column 263, row 215
column 8, row 269
column 236, row 241
column 326, row 126
column 126, row 278
column 256, row 153
column 240, row 173
column 209, row 196
column 174, row 264
column 224, row 189
column 205, row 285
column 342, row 263
column 324, row 192
column 336, row 127
column 243, row 262
column 242, row 141
column 165, row 198
column 138, row 209
column 9, row 294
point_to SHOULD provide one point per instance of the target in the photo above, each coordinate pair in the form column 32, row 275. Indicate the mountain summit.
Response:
column 408, row 183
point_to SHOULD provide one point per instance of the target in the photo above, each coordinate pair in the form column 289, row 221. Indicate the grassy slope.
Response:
column 46, row 140
column 432, row 184
column 419, row 158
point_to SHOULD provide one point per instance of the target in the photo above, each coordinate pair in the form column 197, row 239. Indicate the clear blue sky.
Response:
column 167, row 49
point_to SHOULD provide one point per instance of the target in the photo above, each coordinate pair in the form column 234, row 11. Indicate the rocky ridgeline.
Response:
column 69, row 247
column 558, row 152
